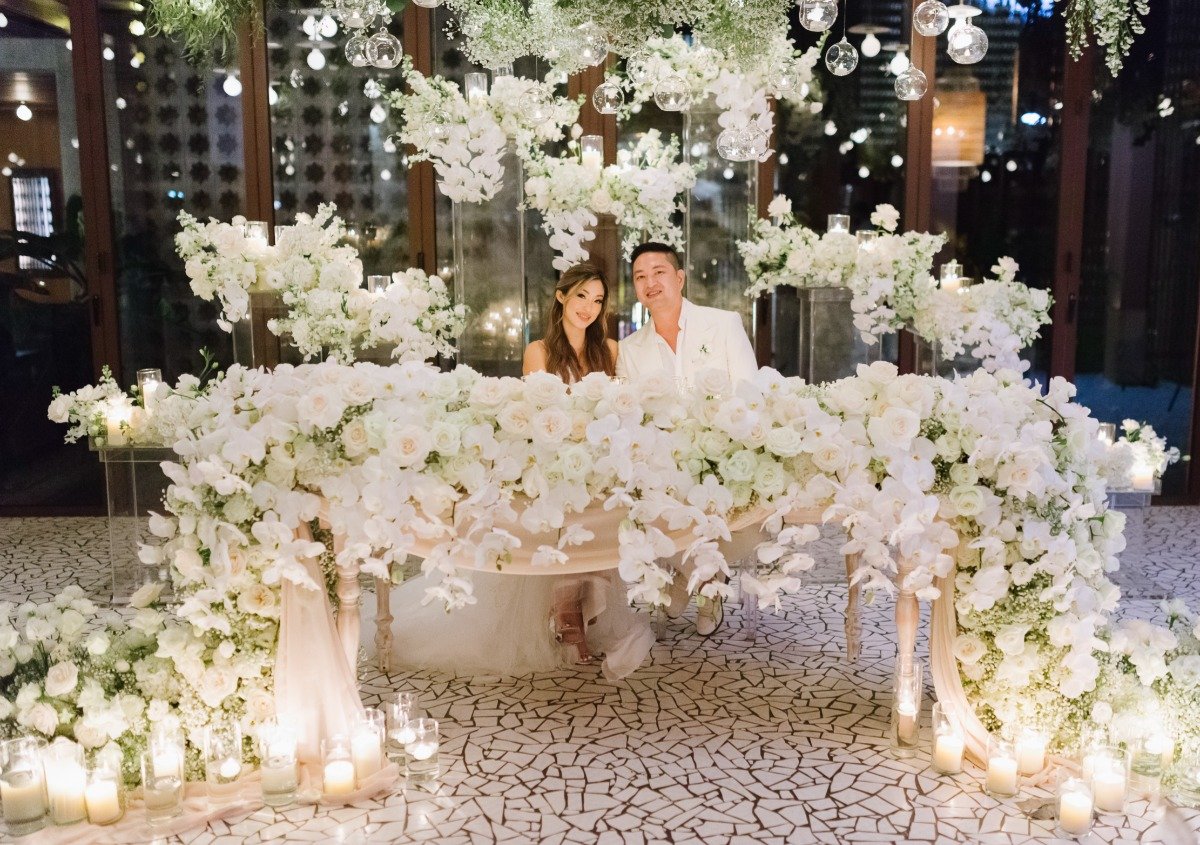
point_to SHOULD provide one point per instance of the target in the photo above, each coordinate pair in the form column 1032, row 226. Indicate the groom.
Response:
column 680, row 339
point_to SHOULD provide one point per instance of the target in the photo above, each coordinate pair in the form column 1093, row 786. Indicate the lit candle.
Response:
column 117, row 416
column 1075, row 811
column 103, row 800
column 1163, row 746
column 23, row 797
column 838, row 223
column 477, row 87
column 1108, row 786
column 230, row 769
column 279, row 775
column 906, row 722
column 1031, row 752
column 66, row 783
column 948, row 753
column 592, row 152
column 1142, row 477
column 339, row 777
column 422, row 750
column 149, row 381
column 1002, row 775
column 366, row 751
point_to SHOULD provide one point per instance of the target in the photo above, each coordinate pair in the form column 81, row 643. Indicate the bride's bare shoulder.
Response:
column 535, row 358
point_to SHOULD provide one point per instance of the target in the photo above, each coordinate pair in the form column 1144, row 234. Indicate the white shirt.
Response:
column 709, row 338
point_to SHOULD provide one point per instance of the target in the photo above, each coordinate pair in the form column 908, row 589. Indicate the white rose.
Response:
column 446, row 439
column 740, row 466
column 216, row 684
column 258, row 600
column 1102, row 712
column 896, row 427
column 89, row 734
column 144, row 596
column 786, row 442
column 61, row 679
column 515, row 418
column 355, row 438
column 964, row 474
column 260, row 705
column 97, row 644
column 42, row 718
column 1011, row 639
column 551, row 426
column 969, row 648
column 968, row 501
column 411, row 446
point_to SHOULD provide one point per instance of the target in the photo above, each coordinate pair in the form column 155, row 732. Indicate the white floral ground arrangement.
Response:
column 893, row 286
column 984, row 479
column 319, row 279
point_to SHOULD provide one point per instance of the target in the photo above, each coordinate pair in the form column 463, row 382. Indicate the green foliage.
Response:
column 205, row 29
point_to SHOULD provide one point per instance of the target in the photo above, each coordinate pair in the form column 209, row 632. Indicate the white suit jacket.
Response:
column 709, row 339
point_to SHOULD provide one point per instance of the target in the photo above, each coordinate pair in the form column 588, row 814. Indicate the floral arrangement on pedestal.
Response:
column 890, row 277
column 320, row 281
column 467, row 140
column 1145, row 447
column 642, row 192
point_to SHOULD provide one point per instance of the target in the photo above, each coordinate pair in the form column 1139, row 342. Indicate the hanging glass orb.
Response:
column 785, row 82
column 818, row 15
column 758, row 142
column 356, row 50
column 967, row 43
column 931, row 18
column 672, row 94
column 429, row 4
column 607, row 98
column 354, row 13
column 439, row 129
column 593, row 46
column 731, row 144
column 384, row 50
column 911, row 84
column 841, row 58
column 534, row 107
column 635, row 66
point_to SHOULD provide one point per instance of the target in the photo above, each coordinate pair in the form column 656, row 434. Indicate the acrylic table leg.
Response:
column 853, row 620
column 383, row 622
column 908, row 617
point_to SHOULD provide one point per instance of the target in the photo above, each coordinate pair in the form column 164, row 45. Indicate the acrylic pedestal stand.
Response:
column 814, row 336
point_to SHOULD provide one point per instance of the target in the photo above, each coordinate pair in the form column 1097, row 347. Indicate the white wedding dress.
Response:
column 507, row 631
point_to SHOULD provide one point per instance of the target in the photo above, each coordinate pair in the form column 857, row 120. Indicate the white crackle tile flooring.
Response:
column 714, row 741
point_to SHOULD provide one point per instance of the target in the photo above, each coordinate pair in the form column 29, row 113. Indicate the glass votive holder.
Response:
column 866, row 238
column 223, row 761
column 338, row 763
column 907, row 686
column 422, row 751
column 149, row 380
column 105, row 794
column 401, row 714
column 277, row 767
column 1108, row 433
column 22, row 785
column 366, row 743
column 1106, row 769
column 1150, row 755
column 66, row 781
column 1075, row 808
column 256, row 230
column 475, row 85
column 279, row 230
column 591, row 152
column 162, row 781
column 1031, row 750
column 1001, row 778
column 948, row 741
column 1185, row 786
column 838, row 223
column 378, row 284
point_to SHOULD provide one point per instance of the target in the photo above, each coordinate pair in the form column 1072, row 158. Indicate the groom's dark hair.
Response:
column 655, row 246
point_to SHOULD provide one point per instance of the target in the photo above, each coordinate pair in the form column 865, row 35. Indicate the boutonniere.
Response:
column 704, row 349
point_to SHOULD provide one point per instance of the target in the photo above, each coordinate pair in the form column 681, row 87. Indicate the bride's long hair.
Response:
column 561, row 359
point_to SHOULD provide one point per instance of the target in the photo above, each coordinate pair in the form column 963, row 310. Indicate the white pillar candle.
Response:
column 366, row 752
column 339, row 777
column 1108, row 786
column 1142, row 477
column 948, row 753
column 279, row 778
column 1075, row 812
column 1031, row 752
column 66, row 782
column 954, row 284
column 103, row 802
column 593, row 159
column 113, row 422
column 1002, row 775
column 404, row 734
column 906, row 722
column 23, row 797
column 1161, row 744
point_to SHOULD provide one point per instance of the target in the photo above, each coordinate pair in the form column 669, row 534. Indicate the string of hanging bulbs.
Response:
column 966, row 43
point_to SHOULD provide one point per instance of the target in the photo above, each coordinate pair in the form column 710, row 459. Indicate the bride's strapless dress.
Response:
column 507, row 630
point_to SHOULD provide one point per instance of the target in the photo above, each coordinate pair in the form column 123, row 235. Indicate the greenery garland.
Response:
column 205, row 29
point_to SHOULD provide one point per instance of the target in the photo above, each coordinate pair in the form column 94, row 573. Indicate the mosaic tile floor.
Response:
column 714, row 741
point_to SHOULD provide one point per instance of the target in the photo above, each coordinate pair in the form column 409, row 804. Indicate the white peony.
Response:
column 61, row 679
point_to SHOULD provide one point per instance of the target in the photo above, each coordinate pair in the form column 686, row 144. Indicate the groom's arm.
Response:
column 742, row 362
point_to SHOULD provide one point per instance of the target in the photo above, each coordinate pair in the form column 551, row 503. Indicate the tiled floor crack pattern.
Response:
column 714, row 741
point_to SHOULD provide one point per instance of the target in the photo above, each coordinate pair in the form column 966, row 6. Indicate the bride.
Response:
column 533, row 623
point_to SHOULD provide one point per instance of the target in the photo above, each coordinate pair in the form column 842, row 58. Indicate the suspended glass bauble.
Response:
column 818, row 15
column 593, row 46
column 607, row 98
column 356, row 50
column 535, row 107
column 384, row 50
column 429, row 4
column 966, row 43
column 731, row 144
column 785, row 82
column 672, row 94
column 757, row 142
column 354, row 13
column 911, row 84
column 635, row 67
column 931, row 18
column 439, row 130
column 841, row 58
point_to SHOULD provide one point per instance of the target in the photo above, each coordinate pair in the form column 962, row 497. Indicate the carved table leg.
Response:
column 348, row 623
column 383, row 622
column 908, row 617
column 853, row 621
